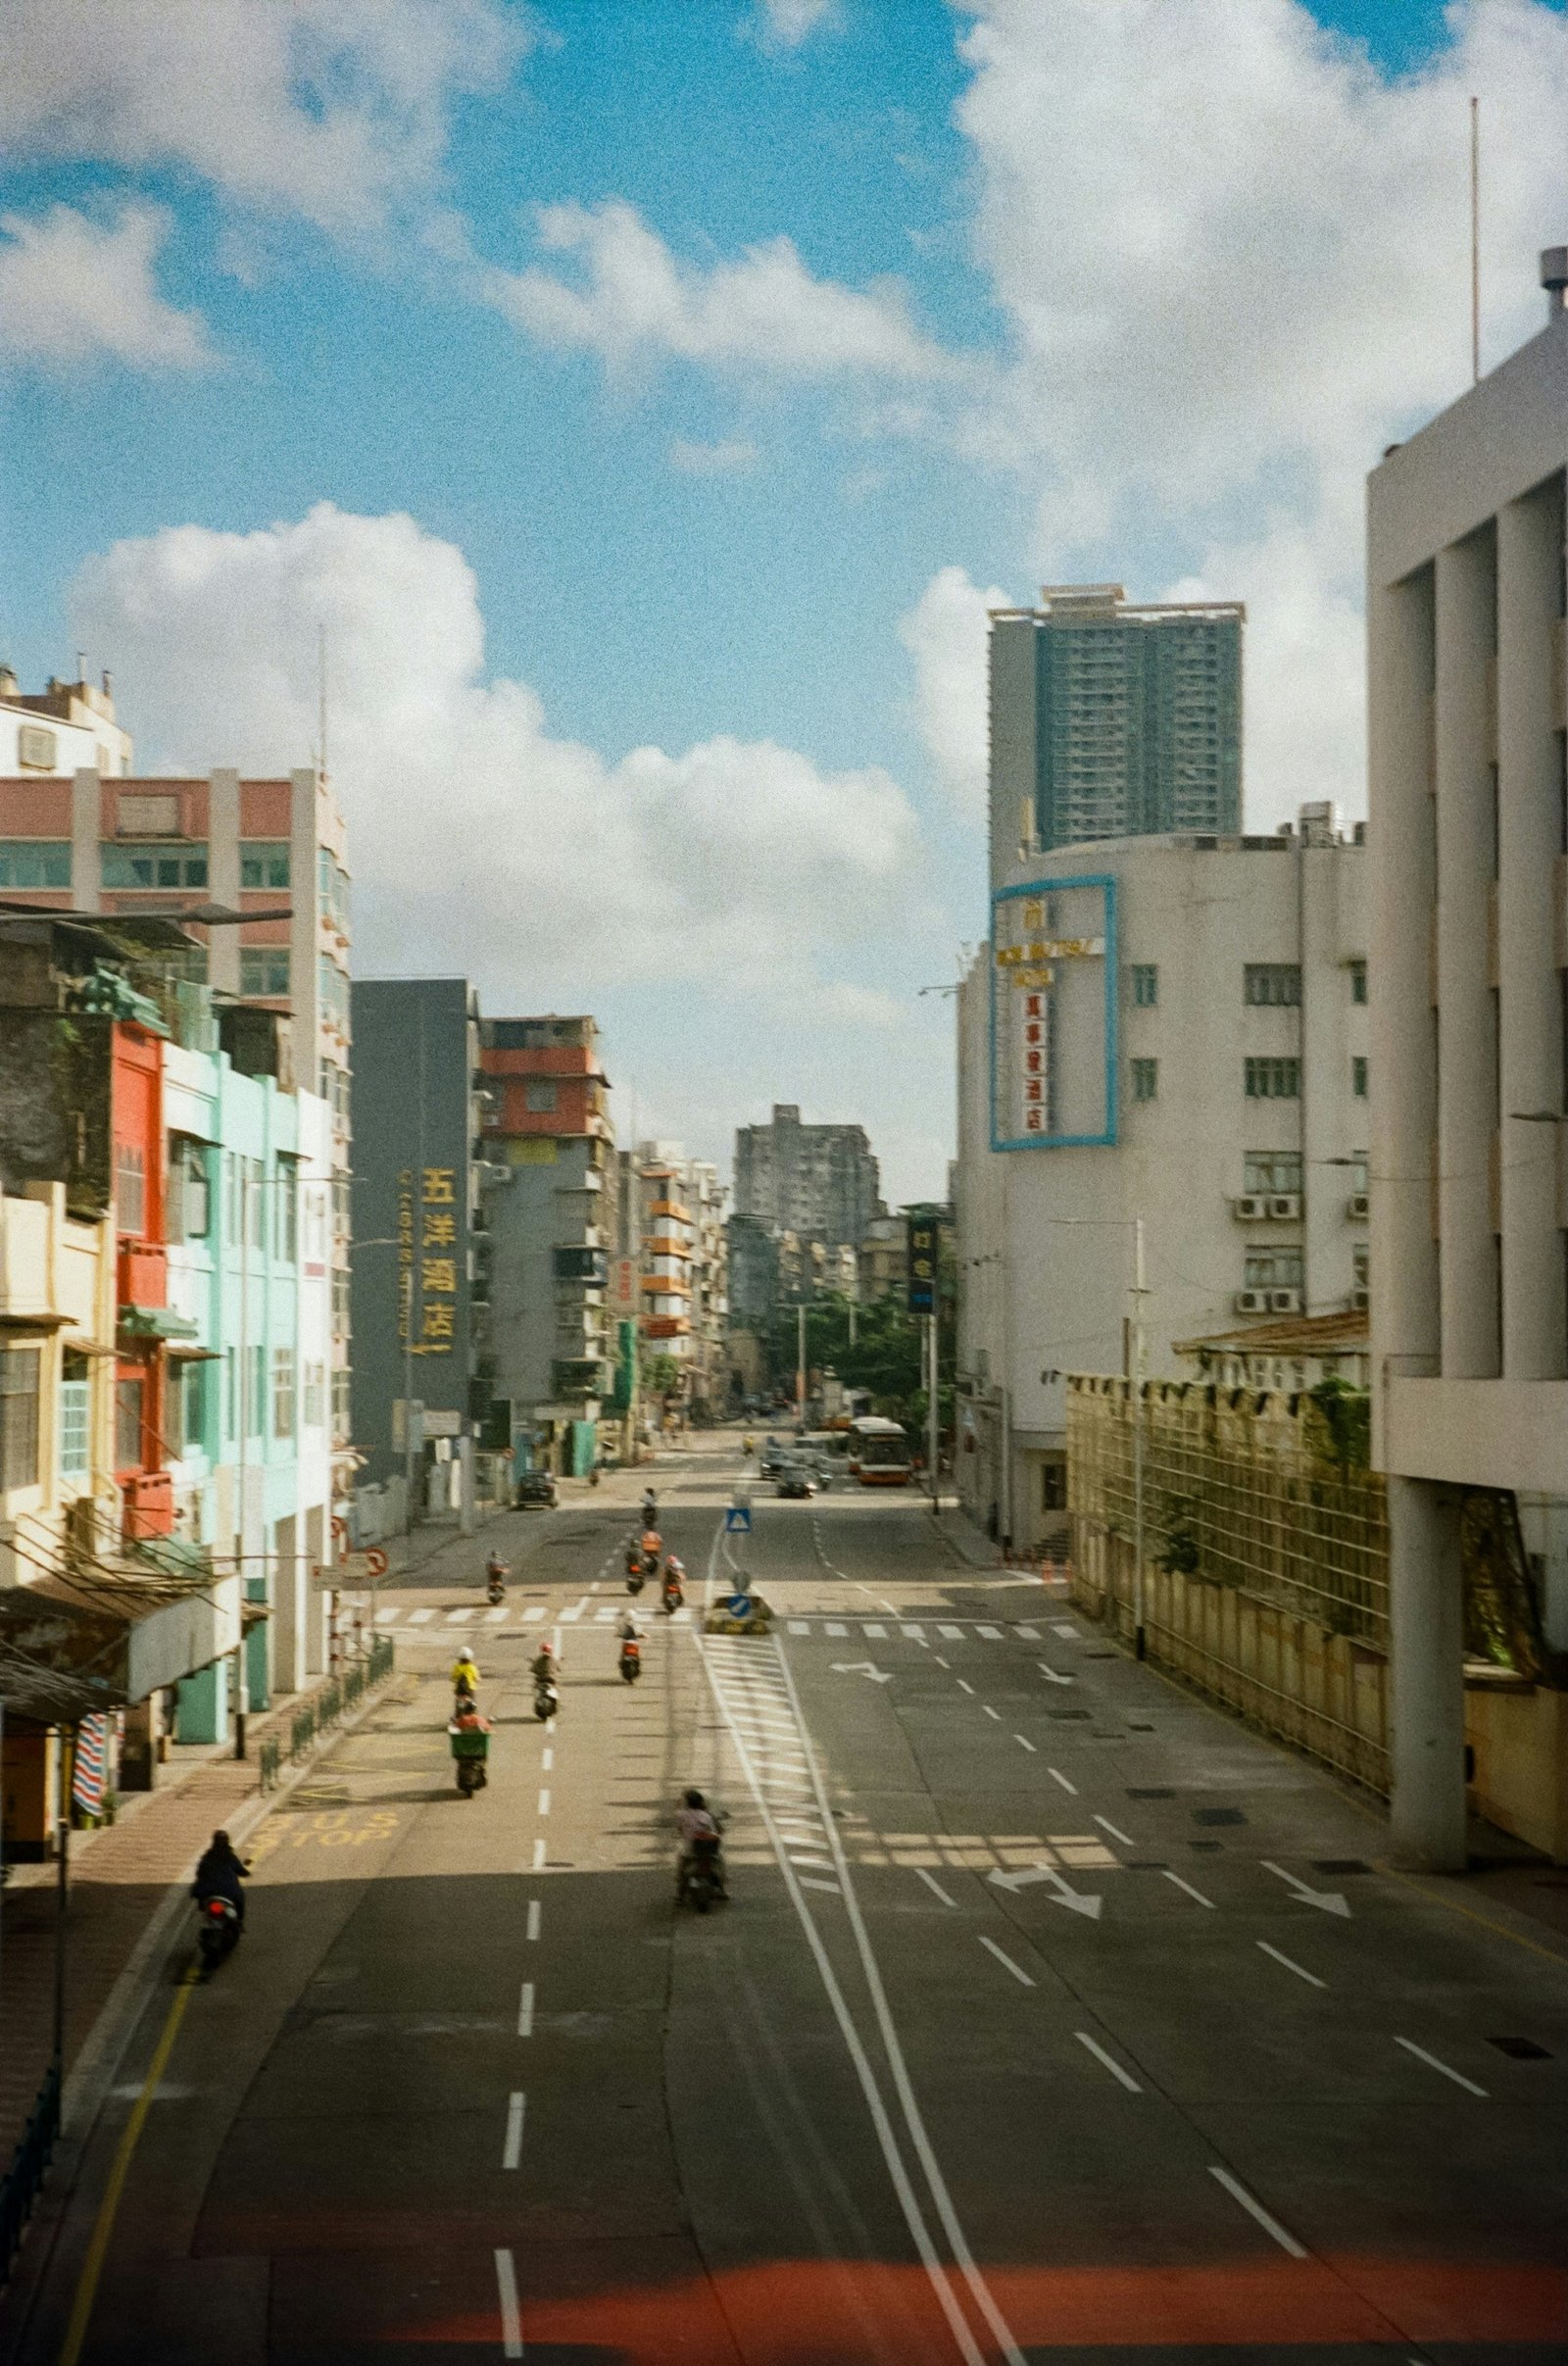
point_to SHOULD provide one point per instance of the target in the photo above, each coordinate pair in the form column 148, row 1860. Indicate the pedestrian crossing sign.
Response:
column 737, row 1521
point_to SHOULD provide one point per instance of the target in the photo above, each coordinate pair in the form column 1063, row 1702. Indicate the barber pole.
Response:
column 90, row 1777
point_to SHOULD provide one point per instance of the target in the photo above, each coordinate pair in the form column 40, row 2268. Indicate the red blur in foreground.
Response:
column 792, row 2313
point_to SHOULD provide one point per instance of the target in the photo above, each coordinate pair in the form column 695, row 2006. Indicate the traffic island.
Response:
column 741, row 1612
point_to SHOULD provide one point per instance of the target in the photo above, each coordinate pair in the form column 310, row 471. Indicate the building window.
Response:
column 129, row 1423
column 539, row 1093
column 20, row 1369
column 1358, row 981
column 282, row 1392
column 130, row 1189
column 75, row 1417
column 255, row 1403
column 285, row 1241
column 1145, row 1079
column 230, row 1402
column 189, row 1210
column 34, row 862
column 154, row 866
column 264, row 863
column 1271, row 1170
column 1271, row 985
column 1054, row 1487
column 1273, row 1080
column 1273, row 1270
column 263, row 970
column 1361, row 1264
column 315, row 1396
column 333, row 989
column 341, row 1424
column 1146, row 985
column 192, row 1426
column 1358, row 1077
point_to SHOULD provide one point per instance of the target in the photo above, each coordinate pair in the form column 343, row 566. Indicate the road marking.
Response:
column 1421, row 2054
column 418, row 1618
column 459, row 1618
column 1112, row 2064
column 1081, row 1901
column 525, row 2010
column 1301, row 1971
column 512, row 2151
column 511, row 2322
column 965, row 1688
column 1058, row 1776
column 800, row 1626
column 992, row 1712
column 917, row 1634
column 604, row 1614
column 547, row 1760
column 544, row 1801
column 104, row 2224
column 807, row 1882
column 951, row 1634
column 492, row 1618
column 932, row 1883
column 813, row 1864
column 1024, row 1743
column 534, row 1613
column 1255, row 2209
column 1060, row 1627
column 1186, row 1885
column 937, row 1656
column 539, row 1857
column 533, row 1918
column 1050, row 1673
column 386, row 1619
column 869, row 1627
column 1115, row 1831
column 835, row 1627
column 1016, row 1969
column 567, row 1617
column 1028, row 1634
column 991, row 1634
column 1332, row 1901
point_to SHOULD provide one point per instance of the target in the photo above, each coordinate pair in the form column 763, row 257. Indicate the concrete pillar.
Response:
column 222, row 874
column 1467, row 1112
column 465, row 1504
column 86, row 839
column 1530, row 537
column 1404, row 1102
column 290, row 1609
column 1426, row 1616
column 316, row 1600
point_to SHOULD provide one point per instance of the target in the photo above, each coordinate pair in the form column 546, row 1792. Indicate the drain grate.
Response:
column 1160, row 1792
column 1144, row 1864
column 1218, row 1815
column 1341, row 1865
column 1139, row 1725
column 1066, row 1716
column 1522, row 2050
column 1206, row 1848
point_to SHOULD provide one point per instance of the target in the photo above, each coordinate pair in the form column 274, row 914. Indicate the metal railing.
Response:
column 29, row 2164
column 324, row 1709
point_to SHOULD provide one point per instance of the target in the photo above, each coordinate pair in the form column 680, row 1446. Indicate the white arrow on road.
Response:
column 863, row 1667
column 1332, row 1901
column 1079, row 1901
column 1051, row 1676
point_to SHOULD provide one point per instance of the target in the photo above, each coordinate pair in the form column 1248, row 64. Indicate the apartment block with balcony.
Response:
column 1165, row 1031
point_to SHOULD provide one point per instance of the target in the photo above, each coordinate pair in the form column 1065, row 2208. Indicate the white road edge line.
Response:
column 933, row 1884
column 511, row 2322
column 1255, row 2209
column 1016, row 1969
column 1191, row 1892
column 1291, row 1965
column 512, row 2151
column 1109, row 2061
column 525, row 2010
column 1421, row 2054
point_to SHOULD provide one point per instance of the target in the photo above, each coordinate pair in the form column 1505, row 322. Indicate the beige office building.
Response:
column 1469, row 826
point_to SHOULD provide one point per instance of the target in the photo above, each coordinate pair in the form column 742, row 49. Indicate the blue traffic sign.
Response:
column 737, row 1521
column 739, row 1605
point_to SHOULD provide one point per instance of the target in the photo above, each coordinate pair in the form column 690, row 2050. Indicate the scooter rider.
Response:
column 629, row 1630
column 649, row 1507
column 465, row 1674
column 221, row 1873
column 546, row 1665
column 695, row 1821
column 674, row 1580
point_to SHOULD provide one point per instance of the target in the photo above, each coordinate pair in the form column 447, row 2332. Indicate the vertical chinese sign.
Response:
column 1054, row 1015
column 437, row 1296
column 922, row 1240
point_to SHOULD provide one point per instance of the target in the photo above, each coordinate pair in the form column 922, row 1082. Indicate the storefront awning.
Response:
column 155, row 1322
column 70, row 1647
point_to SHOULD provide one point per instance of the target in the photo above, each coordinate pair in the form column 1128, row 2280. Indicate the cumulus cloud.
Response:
column 722, row 459
column 323, row 109
column 73, row 290
column 629, row 299
column 786, row 23
column 945, row 635
column 476, row 835
column 1234, row 257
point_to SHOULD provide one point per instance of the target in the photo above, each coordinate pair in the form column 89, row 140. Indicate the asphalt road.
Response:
column 1053, row 2015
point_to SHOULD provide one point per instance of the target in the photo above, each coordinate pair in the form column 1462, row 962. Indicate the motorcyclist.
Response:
column 467, row 1718
column 696, row 1821
column 674, row 1579
column 495, row 1567
column 652, row 1546
column 464, row 1673
column 221, row 1873
column 649, row 1507
column 634, row 1555
column 545, row 1666
column 629, row 1630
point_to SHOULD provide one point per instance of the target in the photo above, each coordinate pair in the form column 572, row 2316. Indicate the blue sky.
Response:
column 717, row 497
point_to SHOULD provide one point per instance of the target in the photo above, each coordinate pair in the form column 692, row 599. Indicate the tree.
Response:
column 660, row 1375
column 887, row 1357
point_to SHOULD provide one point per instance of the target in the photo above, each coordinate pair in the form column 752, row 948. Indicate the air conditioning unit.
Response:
column 1360, row 1300
column 1285, row 1204
column 1358, row 1206
column 1285, row 1301
column 1251, row 1302
column 1250, row 1209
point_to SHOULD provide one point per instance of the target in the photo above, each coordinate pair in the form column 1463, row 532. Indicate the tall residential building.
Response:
column 122, row 845
column 551, row 1357
column 1109, row 719
column 417, row 1322
column 1164, row 1032
column 62, row 728
column 1469, row 802
column 753, row 1258
column 820, row 1182
column 682, row 1254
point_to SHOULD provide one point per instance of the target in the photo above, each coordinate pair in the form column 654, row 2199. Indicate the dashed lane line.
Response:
column 1291, row 1965
column 1066, row 1781
column 1181, row 1885
column 1448, row 2072
column 1255, row 2209
column 512, row 2149
column 1109, row 2061
column 1002, row 1957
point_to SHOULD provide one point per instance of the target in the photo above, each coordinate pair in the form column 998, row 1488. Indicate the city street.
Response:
column 1052, row 2013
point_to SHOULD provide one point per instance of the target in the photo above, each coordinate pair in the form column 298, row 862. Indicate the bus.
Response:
column 879, row 1452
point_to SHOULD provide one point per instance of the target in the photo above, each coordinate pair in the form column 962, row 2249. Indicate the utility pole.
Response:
column 242, row 1700
column 933, row 1412
column 799, row 1364
column 1137, row 1361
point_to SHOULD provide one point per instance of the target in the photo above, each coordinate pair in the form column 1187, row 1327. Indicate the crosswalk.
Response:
column 419, row 1626
column 758, row 1709
column 918, row 1630
column 428, row 1625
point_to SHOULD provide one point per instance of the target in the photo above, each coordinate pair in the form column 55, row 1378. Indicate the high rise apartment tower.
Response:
column 1112, row 721
column 819, row 1181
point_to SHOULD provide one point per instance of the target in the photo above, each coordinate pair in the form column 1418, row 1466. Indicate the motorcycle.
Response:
column 546, row 1700
column 217, row 1932
column 701, row 1878
column 470, row 1747
column 635, row 1579
column 631, row 1661
column 674, row 1596
column 495, row 1581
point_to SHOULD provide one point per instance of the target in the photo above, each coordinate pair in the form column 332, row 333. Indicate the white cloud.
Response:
column 945, row 634
column 479, row 840
column 631, row 298
column 722, row 459
column 326, row 109
column 73, row 291
column 1234, row 255
column 786, row 23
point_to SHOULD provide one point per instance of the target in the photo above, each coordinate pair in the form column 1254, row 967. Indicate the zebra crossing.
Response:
column 918, row 1630
column 431, row 1625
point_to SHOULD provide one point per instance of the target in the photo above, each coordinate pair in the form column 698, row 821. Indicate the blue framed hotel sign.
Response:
column 1054, row 1015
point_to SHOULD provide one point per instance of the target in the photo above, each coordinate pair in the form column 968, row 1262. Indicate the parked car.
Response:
column 535, row 1488
column 775, row 1457
column 795, row 1483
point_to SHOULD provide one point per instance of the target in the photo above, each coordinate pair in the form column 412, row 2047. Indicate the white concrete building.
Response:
column 1169, row 1030
column 1469, row 802
column 62, row 729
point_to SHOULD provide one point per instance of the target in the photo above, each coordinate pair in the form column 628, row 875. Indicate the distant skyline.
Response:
column 647, row 399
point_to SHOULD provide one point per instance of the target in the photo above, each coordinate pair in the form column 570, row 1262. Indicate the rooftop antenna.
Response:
column 321, row 674
column 1475, row 241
